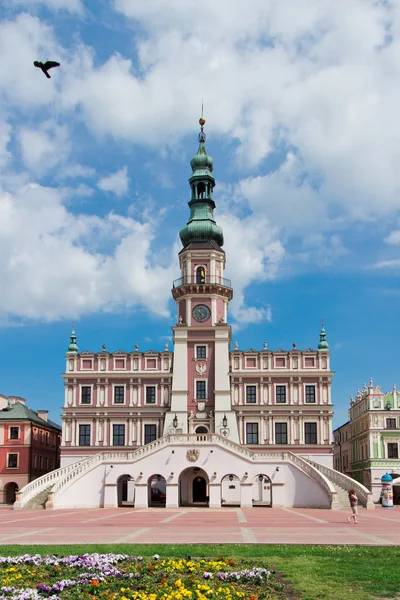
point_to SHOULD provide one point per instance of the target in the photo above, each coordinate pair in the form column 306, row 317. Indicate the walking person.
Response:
column 354, row 506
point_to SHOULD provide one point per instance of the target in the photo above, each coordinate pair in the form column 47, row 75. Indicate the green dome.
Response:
column 201, row 230
column 201, row 160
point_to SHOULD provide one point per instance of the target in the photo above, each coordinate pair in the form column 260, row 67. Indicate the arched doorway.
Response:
column 262, row 490
column 193, row 487
column 126, row 490
column 157, row 487
column 230, row 490
column 10, row 492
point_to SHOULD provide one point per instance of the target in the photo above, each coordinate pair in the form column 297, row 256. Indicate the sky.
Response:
column 301, row 99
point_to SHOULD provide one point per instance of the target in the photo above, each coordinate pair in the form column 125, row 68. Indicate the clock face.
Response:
column 201, row 313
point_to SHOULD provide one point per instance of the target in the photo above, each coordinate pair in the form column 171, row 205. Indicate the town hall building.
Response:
column 202, row 424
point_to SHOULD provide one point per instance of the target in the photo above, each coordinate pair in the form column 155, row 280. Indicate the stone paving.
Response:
column 377, row 527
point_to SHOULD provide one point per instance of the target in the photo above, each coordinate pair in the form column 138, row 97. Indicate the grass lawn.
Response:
column 311, row 572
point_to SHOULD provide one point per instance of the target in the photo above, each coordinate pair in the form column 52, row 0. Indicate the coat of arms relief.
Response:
column 201, row 368
column 192, row 455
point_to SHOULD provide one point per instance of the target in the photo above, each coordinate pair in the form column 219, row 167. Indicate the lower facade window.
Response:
column 251, row 433
column 84, row 435
column 119, row 394
column 150, row 433
column 393, row 450
column 151, row 394
column 118, row 435
column 251, row 394
column 12, row 461
column 86, row 394
column 310, row 433
column 281, row 433
column 280, row 394
column 310, row 394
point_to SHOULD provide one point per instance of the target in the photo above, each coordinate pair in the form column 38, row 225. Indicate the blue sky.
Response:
column 302, row 123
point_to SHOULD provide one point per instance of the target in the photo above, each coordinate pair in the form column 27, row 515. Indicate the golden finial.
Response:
column 202, row 119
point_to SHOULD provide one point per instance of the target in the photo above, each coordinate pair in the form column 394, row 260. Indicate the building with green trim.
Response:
column 367, row 446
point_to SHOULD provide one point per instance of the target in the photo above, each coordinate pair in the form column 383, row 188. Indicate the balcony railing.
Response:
column 202, row 281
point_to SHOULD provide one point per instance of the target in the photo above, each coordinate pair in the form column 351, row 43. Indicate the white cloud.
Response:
column 5, row 137
column 393, row 237
column 387, row 264
column 256, row 258
column 44, row 147
column 117, row 183
column 73, row 6
column 53, row 265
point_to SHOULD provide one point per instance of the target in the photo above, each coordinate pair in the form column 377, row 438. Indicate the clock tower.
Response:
column 201, row 394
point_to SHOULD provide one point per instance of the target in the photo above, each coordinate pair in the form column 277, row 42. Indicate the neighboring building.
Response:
column 368, row 445
column 203, row 424
column 29, row 446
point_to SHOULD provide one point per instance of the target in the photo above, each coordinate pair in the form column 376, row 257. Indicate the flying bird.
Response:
column 49, row 64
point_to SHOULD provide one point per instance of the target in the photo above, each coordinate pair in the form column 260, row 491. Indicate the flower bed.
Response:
column 122, row 577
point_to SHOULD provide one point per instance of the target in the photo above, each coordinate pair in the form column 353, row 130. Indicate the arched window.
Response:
column 200, row 275
column 201, row 429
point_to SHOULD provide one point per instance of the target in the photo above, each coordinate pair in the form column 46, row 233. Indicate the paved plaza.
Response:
column 199, row 526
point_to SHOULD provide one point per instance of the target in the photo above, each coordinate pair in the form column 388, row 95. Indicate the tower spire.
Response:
column 72, row 348
column 323, row 344
column 201, row 226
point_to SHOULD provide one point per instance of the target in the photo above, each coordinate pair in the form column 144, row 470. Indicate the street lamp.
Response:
column 175, row 422
column 224, row 422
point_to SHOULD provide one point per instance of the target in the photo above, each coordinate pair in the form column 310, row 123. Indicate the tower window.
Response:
column 200, row 390
column 201, row 352
column 200, row 275
column 201, row 190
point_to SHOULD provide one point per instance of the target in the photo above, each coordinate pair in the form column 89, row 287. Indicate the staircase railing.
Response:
column 347, row 483
column 72, row 475
column 315, row 474
column 40, row 484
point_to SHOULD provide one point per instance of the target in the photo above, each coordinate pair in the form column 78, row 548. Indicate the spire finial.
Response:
column 202, row 121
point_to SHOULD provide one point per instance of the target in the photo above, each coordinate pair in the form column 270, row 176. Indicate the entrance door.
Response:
column 10, row 491
column 199, row 489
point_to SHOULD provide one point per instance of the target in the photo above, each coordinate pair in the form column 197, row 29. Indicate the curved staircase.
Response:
column 343, row 484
